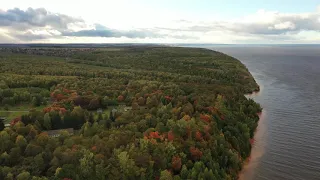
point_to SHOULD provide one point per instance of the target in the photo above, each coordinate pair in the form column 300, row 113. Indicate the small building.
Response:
column 57, row 133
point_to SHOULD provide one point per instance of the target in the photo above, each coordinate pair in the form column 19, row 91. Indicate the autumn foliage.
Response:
column 170, row 136
column 186, row 117
column 94, row 148
column 205, row 118
column 54, row 108
column 154, row 135
column 176, row 107
column 120, row 98
column 168, row 98
column 196, row 154
column 14, row 121
column 199, row 136
column 176, row 163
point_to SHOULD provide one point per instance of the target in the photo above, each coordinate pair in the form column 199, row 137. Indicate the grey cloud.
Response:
column 282, row 24
column 102, row 31
column 35, row 18
column 30, row 36
column 4, row 38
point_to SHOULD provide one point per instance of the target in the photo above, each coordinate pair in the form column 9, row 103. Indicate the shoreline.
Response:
column 257, row 149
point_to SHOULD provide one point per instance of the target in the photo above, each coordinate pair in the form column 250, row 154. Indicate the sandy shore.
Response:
column 258, row 144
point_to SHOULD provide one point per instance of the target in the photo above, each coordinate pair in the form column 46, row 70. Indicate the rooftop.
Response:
column 56, row 133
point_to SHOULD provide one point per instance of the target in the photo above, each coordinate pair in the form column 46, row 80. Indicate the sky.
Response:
column 160, row 21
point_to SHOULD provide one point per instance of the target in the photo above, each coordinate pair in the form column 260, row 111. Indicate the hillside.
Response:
column 138, row 112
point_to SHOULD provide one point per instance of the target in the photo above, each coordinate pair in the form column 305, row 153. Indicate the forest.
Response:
column 124, row 112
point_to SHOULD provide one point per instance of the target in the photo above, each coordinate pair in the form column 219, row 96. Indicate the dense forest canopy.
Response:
column 136, row 112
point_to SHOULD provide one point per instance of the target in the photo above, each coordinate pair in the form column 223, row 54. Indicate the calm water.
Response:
column 288, row 137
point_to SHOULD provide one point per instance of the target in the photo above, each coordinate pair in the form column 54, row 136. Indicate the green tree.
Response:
column 165, row 175
column 39, row 165
column 47, row 121
column 15, row 155
column 24, row 176
column 184, row 172
column 36, row 101
column 56, row 122
column 127, row 164
column 100, row 171
column 21, row 142
column 1, row 125
column 5, row 141
column 86, row 164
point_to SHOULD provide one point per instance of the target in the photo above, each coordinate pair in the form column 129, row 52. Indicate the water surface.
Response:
column 287, row 143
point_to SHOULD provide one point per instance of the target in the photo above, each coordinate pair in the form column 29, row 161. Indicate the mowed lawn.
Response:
column 17, row 111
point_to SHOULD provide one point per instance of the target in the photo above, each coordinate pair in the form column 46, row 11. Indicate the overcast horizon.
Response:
column 142, row 21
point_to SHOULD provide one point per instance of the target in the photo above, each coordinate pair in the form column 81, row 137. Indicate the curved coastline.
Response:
column 257, row 150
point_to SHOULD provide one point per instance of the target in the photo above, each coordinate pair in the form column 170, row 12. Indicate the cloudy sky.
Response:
column 160, row 21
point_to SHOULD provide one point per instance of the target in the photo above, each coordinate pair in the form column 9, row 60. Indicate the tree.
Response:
column 33, row 132
column 70, row 121
column 42, row 139
column 47, row 121
column 135, row 106
column 9, row 176
column 120, row 98
column 195, row 153
column 78, row 115
column 6, row 107
column 90, row 118
column 104, row 101
column 56, row 122
column 38, row 166
column 4, row 159
column 1, row 124
column 67, row 171
column 33, row 150
column 100, row 117
column 5, row 141
column 165, row 175
column 94, row 104
column 184, row 172
column 170, row 136
column 176, row 163
column 15, row 155
column 21, row 142
column 39, row 178
column 127, row 164
column 152, row 102
column 86, row 164
column 36, row 101
column 141, row 101
column 108, row 123
column 26, row 119
column 100, row 171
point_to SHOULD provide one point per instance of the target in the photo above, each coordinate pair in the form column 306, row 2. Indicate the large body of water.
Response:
column 287, row 142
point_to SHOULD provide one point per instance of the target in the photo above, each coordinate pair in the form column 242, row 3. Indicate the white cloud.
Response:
column 41, row 25
column 283, row 25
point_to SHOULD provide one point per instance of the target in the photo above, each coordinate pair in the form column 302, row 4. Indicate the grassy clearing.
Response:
column 16, row 111
column 11, row 115
column 104, row 112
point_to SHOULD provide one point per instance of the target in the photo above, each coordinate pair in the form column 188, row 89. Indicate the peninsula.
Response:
column 124, row 112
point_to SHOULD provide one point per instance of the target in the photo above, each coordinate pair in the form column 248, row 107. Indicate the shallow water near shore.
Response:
column 287, row 139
